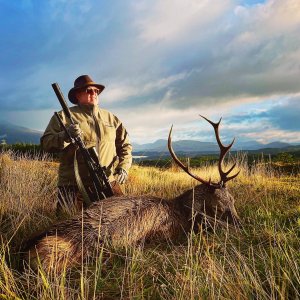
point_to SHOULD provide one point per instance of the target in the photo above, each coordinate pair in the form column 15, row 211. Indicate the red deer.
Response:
column 127, row 220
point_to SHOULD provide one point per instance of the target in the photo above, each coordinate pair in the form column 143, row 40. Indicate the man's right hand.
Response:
column 74, row 130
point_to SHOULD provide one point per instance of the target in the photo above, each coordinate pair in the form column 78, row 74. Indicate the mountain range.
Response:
column 15, row 134
column 190, row 146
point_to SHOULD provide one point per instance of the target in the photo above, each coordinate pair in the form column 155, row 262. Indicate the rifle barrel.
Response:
column 62, row 101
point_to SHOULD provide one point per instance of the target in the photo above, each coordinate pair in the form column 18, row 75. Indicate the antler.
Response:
column 223, row 152
column 183, row 167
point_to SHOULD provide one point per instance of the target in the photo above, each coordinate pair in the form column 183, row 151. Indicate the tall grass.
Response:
column 259, row 261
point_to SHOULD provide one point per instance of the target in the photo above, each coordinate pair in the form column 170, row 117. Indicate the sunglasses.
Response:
column 91, row 90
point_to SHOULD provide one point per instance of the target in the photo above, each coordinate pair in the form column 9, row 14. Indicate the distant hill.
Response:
column 277, row 145
column 269, row 150
column 17, row 134
column 182, row 146
column 191, row 146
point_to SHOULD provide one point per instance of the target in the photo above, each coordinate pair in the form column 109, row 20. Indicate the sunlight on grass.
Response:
column 259, row 261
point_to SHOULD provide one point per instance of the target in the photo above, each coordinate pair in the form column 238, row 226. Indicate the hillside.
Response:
column 17, row 134
column 192, row 147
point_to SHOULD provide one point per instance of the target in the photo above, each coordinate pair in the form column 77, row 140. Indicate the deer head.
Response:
column 211, row 199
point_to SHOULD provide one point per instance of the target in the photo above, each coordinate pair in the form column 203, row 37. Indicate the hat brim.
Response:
column 72, row 92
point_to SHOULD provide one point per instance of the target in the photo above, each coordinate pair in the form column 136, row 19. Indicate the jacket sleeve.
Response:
column 53, row 138
column 123, row 148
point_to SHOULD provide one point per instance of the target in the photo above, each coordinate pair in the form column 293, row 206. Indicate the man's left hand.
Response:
column 121, row 175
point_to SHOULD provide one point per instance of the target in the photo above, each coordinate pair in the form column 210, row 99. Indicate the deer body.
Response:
column 118, row 221
column 128, row 220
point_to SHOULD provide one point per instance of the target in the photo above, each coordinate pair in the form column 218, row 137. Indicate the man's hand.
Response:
column 74, row 130
column 121, row 175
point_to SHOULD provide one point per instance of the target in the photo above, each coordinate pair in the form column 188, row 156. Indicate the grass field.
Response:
column 261, row 260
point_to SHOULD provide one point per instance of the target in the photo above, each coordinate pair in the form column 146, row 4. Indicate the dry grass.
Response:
column 261, row 261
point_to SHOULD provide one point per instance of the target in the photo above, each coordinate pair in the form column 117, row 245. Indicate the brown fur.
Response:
column 127, row 220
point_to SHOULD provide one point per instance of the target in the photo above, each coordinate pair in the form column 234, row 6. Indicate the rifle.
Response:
column 100, row 181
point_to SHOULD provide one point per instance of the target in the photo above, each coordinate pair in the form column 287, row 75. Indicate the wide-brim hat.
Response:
column 82, row 82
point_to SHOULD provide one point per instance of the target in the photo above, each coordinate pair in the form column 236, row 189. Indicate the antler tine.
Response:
column 224, row 174
column 223, row 152
column 182, row 166
column 233, row 176
column 216, row 128
column 227, row 172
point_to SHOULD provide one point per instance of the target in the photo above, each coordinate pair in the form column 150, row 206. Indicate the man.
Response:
column 98, row 128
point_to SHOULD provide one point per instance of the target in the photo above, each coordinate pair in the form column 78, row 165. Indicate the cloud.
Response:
column 279, row 122
column 238, row 56
column 117, row 92
column 168, row 59
column 224, row 51
column 286, row 115
column 283, row 114
column 266, row 17
column 274, row 135
column 174, row 20
column 149, row 122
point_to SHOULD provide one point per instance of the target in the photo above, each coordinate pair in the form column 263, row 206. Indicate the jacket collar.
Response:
column 89, row 109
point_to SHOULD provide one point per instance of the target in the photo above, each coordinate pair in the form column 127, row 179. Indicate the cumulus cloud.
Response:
column 119, row 92
column 175, row 20
column 249, row 57
column 231, row 53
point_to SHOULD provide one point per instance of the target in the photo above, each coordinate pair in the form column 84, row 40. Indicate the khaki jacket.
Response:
column 101, row 129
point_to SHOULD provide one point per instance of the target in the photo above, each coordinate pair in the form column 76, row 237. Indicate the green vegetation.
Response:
column 259, row 261
column 283, row 162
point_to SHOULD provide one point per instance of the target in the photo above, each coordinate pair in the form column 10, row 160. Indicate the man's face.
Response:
column 88, row 96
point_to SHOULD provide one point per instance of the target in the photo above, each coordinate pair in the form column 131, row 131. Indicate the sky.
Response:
column 162, row 62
